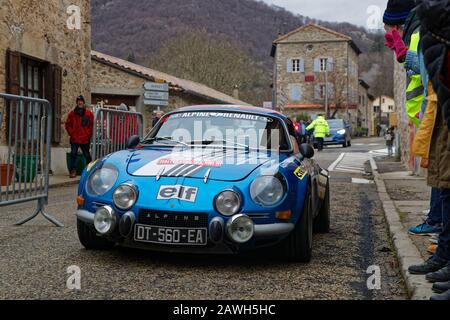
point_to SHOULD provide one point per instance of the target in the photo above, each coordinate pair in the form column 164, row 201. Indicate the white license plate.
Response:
column 171, row 236
column 328, row 139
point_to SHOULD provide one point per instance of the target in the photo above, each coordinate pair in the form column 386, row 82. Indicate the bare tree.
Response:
column 214, row 61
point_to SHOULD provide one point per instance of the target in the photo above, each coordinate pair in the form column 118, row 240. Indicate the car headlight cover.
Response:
column 102, row 180
column 125, row 196
column 267, row 190
column 105, row 220
column 228, row 202
column 341, row 131
column 240, row 228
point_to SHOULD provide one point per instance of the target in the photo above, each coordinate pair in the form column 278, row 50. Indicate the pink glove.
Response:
column 399, row 46
column 389, row 40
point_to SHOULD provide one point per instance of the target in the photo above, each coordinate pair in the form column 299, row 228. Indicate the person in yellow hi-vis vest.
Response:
column 321, row 130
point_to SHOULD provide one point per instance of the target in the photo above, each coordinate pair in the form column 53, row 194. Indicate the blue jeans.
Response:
column 435, row 215
column 74, row 154
column 443, row 250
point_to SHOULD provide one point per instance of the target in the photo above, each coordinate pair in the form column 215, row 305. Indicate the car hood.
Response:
column 223, row 165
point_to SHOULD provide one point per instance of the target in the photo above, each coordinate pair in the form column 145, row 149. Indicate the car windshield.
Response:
column 336, row 124
column 221, row 129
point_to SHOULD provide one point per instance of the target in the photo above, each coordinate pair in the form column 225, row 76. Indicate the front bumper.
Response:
column 336, row 140
column 273, row 233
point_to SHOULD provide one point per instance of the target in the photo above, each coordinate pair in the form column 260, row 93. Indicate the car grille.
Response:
column 173, row 219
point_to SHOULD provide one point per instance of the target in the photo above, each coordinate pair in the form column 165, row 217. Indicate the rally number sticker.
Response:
column 300, row 172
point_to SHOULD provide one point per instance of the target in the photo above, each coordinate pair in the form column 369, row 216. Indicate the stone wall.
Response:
column 39, row 29
column 403, row 120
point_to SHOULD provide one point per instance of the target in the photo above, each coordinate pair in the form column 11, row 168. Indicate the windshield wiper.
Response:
column 169, row 139
column 211, row 142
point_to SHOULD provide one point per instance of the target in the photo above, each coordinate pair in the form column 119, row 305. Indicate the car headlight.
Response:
column 267, row 190
column 240, row 228
column 102, row 180
column 105, row 220
column 228, row 202
column 125, row 196
column 341, row 131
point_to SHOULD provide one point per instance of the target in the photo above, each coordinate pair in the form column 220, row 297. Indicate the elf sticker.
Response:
column 300, row 173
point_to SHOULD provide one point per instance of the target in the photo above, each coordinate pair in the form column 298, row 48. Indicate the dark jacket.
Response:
column 435, row 18
column 80, row 126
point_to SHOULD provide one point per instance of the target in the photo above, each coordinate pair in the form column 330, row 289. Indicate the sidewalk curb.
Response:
column 407, row 253
column 74, row 182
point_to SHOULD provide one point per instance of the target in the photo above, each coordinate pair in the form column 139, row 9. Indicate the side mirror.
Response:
column 307, row 151
column 133, row 142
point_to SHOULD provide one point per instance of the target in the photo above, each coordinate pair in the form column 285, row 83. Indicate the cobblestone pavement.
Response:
column 35, row 257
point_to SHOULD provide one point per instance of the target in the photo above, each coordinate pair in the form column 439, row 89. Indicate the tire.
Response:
column 322, row 221
column 298, row 246
column 89, row 238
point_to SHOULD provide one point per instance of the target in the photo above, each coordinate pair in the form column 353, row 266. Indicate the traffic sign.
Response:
column 152, row 86
column 150, row 102
column 156, row 95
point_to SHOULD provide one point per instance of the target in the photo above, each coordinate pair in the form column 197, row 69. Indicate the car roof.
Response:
column 223, row 107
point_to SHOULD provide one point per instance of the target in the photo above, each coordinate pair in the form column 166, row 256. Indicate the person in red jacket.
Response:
column 79, row 126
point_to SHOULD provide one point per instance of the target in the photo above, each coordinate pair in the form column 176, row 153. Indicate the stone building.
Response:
column 315, row 67
column 116, row 80
column 45, row 52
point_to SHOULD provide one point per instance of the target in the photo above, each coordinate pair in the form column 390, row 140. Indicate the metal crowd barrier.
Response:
column 26, row 128
column 112, row 128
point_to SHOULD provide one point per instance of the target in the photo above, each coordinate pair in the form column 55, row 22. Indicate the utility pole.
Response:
column 326, row 90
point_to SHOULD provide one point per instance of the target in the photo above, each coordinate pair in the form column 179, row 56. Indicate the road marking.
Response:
column 380, row 151
column 361, row 181
column 350, row 162
column 334, row 164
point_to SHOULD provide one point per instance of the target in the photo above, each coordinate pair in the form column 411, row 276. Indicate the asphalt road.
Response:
column 34, row 258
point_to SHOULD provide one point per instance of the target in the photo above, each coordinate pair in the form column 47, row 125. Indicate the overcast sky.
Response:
column 353, row 11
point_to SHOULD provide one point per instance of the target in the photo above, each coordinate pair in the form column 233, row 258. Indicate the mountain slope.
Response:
column 139, row 28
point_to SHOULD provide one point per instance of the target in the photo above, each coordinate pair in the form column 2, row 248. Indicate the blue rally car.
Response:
column 208, row 179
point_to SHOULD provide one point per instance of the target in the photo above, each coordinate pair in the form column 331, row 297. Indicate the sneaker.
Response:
column 73, row 174
column 442, row 275
column 434, row 239
column 432, row 249
column 431, row 265
column 425, row 229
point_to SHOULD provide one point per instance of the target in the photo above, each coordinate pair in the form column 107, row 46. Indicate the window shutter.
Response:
column 290, row 66
column 12, row 87
column 331, row 91
column 56, row 103
column 330, row 64
column 302, row 65
column 316, row 65
column 317, row 91
column 295, row 92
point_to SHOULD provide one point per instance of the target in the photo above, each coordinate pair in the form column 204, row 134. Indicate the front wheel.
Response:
column 298, row 246
column 89, row 239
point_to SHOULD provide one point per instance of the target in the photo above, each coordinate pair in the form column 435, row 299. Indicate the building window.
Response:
column 296, row 65
column 323, row 89
column 391, row 108
column 27, row 76
column 323, row 64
